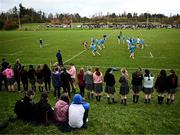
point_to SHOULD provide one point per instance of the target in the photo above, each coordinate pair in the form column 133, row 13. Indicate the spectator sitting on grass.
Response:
column 25, row 106
column 78, row 112
column 61, row 113
column 43, row 110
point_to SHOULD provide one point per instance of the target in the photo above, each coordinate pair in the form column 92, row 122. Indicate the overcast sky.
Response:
column 90, row 7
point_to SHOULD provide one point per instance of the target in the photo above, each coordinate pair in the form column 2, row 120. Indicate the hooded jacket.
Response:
column 76, row 111
column 61, row 111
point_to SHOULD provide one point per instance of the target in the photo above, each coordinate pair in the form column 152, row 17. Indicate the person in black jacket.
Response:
column 24, row 78
column 172, row 86
column 32, row 77
column 110, row 82
column 40, row 79
column 65, row 81
column 17, row 70
column 44, row 113
column 24, row 108
column 4, row 65
column 137, row 78
column 59, row 58
column 161, row 85
column 47, row 77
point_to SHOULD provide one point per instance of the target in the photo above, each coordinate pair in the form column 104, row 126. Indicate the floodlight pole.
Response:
column 19, row 20
column 147, row 19
column 71, row 21
column 108, row 19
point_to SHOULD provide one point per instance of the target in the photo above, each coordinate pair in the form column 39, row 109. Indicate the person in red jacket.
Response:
column 81, row 81
column 172, row 86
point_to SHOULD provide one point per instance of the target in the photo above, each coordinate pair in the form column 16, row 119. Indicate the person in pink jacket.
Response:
column 9, row 74
column 72, row 72
column 61, row 112
column 98, row 80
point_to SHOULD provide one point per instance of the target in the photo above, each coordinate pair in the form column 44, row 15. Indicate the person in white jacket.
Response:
column 78, row 112
column 148, row 85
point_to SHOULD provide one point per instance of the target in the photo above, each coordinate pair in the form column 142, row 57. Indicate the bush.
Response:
column 10, row 25
column 1, row 25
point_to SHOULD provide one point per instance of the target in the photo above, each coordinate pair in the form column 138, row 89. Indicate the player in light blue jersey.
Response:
column 98, row 43
column 128, row 42
column 94, row 50
column 138, row 42
column 132, row 51
column 92, row 40
column 102, row 43
column 133, row 41
column 142, row 43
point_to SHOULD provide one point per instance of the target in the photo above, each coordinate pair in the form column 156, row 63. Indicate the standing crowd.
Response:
column 66, row 114
column 67, row 80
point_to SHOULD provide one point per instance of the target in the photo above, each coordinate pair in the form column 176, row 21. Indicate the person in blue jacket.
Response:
column 78, row 112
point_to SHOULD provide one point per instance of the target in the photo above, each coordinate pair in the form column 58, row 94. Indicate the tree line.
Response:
column 16, row 16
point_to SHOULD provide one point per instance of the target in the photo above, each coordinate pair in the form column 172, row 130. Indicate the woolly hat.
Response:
column 77, row 99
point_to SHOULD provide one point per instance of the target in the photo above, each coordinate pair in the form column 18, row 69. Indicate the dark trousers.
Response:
column 82, row 90
column 5, row 82
column 17, row 79
column 64, row 126
column 67, row 89
column 57, row 91
column 33, row 84
column 85, row 116
column 60, row 62
column 25, row 86
column 47, row 84
column 0, row 83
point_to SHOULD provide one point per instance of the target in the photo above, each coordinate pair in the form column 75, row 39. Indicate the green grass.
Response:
column 103, row 118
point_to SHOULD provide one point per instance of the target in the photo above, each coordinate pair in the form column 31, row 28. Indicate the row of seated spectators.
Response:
column 65, row 115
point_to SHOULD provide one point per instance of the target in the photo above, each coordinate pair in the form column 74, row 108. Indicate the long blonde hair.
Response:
column 124, row 72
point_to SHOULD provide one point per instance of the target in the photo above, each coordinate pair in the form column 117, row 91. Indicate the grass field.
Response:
column 161, row 52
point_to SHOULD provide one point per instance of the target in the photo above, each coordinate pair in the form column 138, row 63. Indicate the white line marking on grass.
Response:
column 16, row 39
column 75, row 56
column 140, row 33
column 11, row 54
column 151, row 55
column 7, row 54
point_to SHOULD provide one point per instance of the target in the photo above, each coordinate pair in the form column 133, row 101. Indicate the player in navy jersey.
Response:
column 40, row 42
column 119, row 39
